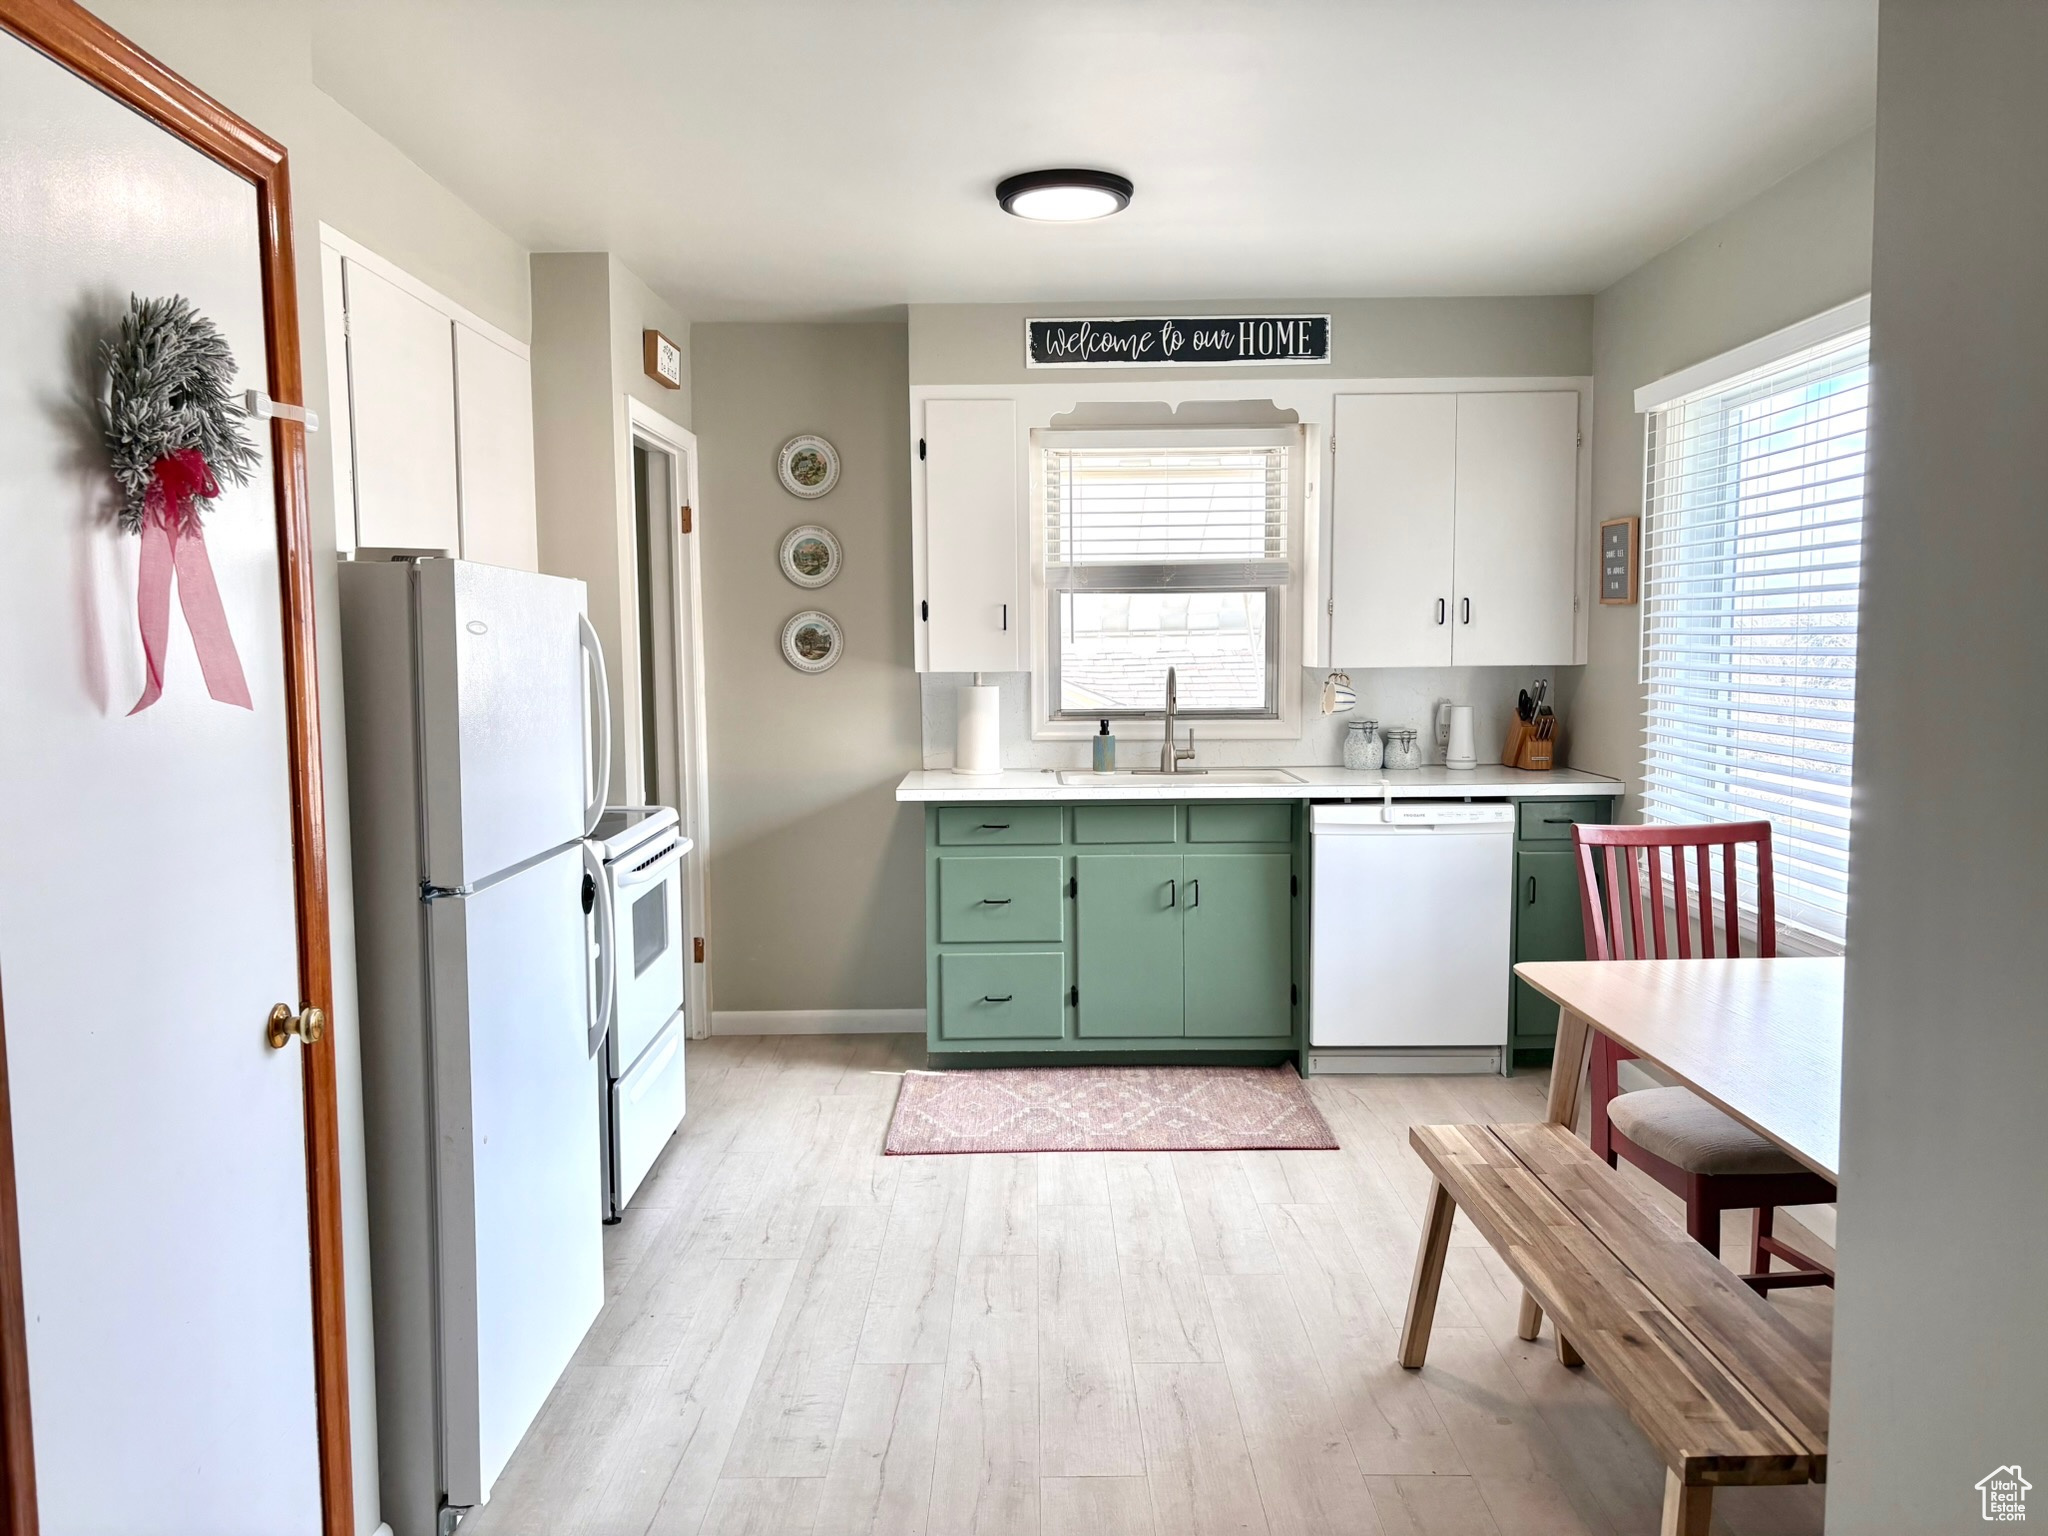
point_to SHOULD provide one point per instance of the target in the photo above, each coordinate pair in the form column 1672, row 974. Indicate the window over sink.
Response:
column 1168, row 549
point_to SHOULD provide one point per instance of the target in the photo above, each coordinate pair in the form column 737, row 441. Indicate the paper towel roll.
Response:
column 1459, row 751
column 978, row 743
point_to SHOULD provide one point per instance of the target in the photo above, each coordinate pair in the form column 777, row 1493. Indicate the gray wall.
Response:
column 1792, row 251
column 817, row 887
column 256, row 57
column 588, row 314
column 1370, row 338
column 1941, row 1358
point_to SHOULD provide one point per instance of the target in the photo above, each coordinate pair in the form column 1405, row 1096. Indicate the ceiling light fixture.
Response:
column 1064, row 197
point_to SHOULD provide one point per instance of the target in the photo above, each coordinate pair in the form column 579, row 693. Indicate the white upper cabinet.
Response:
column 494, row 442
column 1455, row 530
column 1393, row 505
column 968, row 592
column 402, row 416
column 433, row 417
column 1518, row 503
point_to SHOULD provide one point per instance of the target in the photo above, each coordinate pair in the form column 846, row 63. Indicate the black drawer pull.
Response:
column 1532, row 890
column 996, row 901
column 1560, row 821
column 995, row 826
column 1003, row 999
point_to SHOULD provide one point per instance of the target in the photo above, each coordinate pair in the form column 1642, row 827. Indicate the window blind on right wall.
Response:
column 1753, row 532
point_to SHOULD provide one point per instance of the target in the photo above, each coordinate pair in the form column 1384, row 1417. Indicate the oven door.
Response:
column 647, row 907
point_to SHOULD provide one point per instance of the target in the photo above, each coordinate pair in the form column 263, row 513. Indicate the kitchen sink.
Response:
column 1194, row 776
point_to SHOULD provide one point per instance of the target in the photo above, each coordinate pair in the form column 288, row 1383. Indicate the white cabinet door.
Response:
column 974, row 621
column 1517, row 545
column 1392, row 521
column 494, row 446
column 402, row 404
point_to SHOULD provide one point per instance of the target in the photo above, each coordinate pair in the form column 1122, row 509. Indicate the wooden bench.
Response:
column 1723, row 1385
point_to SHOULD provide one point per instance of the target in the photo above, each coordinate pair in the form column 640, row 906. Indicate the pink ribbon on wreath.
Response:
column 173, row 546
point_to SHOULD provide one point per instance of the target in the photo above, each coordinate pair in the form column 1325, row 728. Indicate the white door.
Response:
column 505, row 730
column 519, row 1190
column 1392, row 527
column 972, row 622
column 494, row 448
column 401, row 363
column 147, row 913
column 1518, row 520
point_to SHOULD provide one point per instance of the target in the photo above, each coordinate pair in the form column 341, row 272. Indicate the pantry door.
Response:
column 171, row 1329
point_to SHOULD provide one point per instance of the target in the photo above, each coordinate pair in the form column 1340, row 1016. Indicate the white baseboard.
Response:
column 820, row 1021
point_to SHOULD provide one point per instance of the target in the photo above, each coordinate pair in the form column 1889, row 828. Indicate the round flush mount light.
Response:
column 1064, row 197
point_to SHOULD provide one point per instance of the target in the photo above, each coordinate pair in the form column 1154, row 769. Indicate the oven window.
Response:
column 650, row 927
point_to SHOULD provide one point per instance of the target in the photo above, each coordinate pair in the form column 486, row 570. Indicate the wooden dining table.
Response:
column 1761, row 1039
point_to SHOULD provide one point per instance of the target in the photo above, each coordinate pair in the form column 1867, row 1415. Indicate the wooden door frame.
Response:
column 90, row 49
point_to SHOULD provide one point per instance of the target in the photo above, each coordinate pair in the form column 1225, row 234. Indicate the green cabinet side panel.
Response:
column 1126, row 823
column 1128, row 937
column 1239, row 935
column 1007, row 996
column 997, row 900
column 1267, row 822
column 998, row 825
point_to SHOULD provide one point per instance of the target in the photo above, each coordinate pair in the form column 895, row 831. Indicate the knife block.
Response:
column 1526, row 749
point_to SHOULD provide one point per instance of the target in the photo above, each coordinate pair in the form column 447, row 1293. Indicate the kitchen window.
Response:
column 1168, row 549
column 1753, row 537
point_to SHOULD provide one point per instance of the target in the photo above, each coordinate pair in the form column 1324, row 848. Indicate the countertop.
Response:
column 1488, row 780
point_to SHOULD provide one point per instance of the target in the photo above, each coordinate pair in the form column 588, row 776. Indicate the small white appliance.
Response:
column 1460, row 750
column 642, row 1082
column 478, row 753
column 1409, row 935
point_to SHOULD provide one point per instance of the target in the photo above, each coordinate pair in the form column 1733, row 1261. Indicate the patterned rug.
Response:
column 1106, row 1109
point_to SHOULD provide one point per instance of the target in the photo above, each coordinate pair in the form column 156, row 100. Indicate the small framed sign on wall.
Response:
column 663, row 359
column 1621, row 549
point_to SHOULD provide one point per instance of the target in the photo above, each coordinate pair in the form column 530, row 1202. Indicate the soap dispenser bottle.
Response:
column 1105, row 750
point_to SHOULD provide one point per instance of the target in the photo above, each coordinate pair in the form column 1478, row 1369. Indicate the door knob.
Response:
column 309, row 1025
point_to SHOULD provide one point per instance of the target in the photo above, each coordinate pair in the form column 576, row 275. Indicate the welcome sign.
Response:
column 1159, row 341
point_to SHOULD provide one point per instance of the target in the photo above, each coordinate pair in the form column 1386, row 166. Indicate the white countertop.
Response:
column 1489, row 780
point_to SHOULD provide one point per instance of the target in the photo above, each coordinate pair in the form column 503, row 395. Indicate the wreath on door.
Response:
column 174, row 434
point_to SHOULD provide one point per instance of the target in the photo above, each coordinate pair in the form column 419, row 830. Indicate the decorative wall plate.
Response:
column 811, row 641
column 810, row 555
column 808, row 465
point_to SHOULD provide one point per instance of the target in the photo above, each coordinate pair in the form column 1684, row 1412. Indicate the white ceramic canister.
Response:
column 1362, row 744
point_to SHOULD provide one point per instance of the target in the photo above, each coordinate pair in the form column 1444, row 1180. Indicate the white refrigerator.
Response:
column 477, row 744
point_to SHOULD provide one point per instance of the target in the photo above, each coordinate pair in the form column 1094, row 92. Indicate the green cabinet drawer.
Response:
column 1003, row 997
column 1125, row 823
column 1000, row 900
column 991, row 825
column 1272, row 822
column 1550, row 821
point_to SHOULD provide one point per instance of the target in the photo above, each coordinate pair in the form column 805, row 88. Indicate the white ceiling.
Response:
column 760, row 159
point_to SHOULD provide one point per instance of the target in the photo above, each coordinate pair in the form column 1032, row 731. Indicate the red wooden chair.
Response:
column 1708, row 1159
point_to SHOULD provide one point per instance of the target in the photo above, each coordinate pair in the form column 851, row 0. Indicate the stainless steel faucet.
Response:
column 1171, row 758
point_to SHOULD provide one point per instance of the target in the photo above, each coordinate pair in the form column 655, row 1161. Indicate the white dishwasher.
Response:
column 1409, row 935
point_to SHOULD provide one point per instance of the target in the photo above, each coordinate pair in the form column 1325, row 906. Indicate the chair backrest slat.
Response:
column 1608, row 856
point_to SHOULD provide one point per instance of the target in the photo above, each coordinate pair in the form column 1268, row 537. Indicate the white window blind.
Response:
column 1753, row 532
column 1206, row 505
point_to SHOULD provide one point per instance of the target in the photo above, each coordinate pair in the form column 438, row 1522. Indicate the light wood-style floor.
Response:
column 805, row 1338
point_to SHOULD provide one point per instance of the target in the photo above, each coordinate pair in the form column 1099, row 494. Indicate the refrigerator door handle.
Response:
column 587, row 638
column 607, row 947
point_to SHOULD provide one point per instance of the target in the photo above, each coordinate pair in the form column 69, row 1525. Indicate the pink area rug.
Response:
column 1106, row 1109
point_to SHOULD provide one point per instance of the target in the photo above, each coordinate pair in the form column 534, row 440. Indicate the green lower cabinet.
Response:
column 1127, row 924
column 1003, row 997
column 1548, row 926
column 1238, row 937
